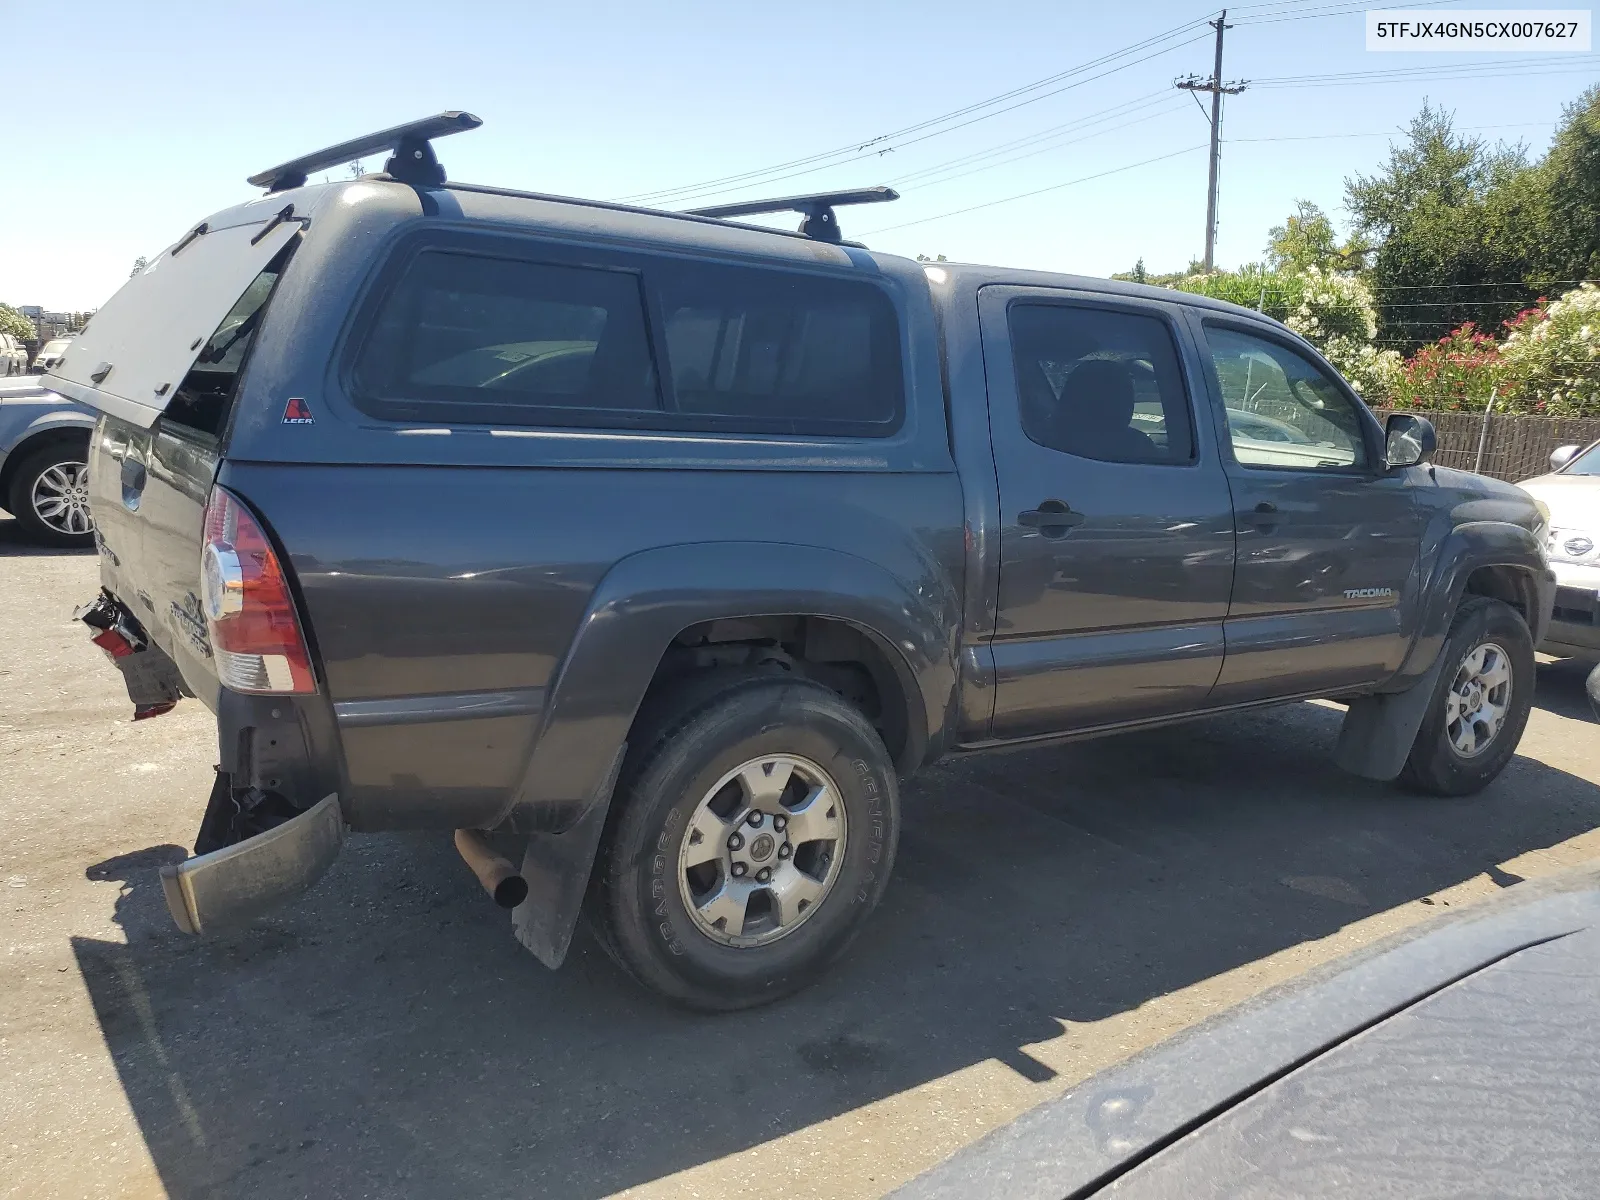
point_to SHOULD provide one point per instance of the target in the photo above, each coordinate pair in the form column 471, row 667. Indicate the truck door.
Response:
column 1329, row 539
column 1116, row 542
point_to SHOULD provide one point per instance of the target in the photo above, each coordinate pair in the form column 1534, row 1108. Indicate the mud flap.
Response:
column 557, row 868
column 1379, row 731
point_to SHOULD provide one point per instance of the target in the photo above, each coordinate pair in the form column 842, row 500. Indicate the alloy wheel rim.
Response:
column 762, row 850
column 60, row 498
column 1479, row 700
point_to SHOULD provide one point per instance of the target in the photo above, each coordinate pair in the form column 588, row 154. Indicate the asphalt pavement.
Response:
column 1052, row 912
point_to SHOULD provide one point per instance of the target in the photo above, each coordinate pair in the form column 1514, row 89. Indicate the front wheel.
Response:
column 750, row 838
column 1480, row 704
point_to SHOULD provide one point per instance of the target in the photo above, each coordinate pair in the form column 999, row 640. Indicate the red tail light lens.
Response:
column 255, row 632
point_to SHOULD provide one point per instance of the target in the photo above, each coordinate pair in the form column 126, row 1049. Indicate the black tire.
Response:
column 1435, row 765
column 686, row 740
column 19, row 498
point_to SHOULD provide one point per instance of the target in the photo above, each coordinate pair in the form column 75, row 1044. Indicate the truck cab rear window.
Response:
column 467, row 339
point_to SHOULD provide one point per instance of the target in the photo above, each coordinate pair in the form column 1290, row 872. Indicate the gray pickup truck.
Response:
column 649, row 551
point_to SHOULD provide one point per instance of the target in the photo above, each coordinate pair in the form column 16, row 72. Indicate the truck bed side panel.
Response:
column 443, row 599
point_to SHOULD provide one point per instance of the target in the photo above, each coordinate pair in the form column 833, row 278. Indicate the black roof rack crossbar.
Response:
column 819, row 223
column 411, row 159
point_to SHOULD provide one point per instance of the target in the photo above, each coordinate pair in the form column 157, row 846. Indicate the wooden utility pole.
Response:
column 1218, row 89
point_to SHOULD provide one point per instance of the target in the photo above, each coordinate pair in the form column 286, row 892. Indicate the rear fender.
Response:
column 649, row 598
column 639, row 607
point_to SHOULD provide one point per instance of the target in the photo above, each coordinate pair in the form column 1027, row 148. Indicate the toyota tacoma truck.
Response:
column 649, row 551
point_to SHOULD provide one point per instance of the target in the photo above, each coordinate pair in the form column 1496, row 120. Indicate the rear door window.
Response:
column 468, row 339
column 1101, row 384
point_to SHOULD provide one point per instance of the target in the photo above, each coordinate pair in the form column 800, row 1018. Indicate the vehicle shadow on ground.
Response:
column 15, row 544
column 1561, row 689
column 387, row 1037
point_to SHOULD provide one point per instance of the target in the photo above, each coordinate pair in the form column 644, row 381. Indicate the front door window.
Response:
column 1283, row 410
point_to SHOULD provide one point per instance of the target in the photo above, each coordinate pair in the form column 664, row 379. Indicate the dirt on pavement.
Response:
column 1052, row 912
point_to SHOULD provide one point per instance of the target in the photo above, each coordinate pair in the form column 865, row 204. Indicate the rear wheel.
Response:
column 49, row 494
column 752, row 833
column 1480, row 704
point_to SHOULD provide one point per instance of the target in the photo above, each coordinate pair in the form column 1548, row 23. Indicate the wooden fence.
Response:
column 1516, row 447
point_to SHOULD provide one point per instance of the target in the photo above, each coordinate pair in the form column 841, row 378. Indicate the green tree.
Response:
column 1456, row 226
column 1569, row 179
column 1307, row 239
column 17, row 325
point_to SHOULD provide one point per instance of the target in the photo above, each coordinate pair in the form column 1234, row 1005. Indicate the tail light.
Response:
column 255, row 632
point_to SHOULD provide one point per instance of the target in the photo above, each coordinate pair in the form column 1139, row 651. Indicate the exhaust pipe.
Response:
column 499, row 878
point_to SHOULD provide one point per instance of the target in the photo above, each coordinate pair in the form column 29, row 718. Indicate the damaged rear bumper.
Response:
column 242, row 881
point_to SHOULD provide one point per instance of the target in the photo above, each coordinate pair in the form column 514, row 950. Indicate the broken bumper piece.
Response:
column 241, row 881
column 153, row 681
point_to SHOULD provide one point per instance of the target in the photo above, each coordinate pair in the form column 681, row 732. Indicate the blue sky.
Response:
column 153, row 116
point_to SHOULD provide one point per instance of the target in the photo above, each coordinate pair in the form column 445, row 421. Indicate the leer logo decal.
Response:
column 1367, row 593
column 297, row 412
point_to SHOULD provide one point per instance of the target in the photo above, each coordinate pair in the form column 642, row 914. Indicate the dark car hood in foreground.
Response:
column 1462, row 1058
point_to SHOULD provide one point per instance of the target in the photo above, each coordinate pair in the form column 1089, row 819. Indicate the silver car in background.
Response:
column 44, row 456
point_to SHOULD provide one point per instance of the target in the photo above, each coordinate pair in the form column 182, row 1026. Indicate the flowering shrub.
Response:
column 1333, row 306
column 1457, row 373
column 1548, row 365
column 1372, row 372
column 1550, row 360
column 1337, row 315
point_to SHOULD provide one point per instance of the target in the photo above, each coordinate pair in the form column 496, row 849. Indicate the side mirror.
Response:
column 1562, row 456
column 1408, row 440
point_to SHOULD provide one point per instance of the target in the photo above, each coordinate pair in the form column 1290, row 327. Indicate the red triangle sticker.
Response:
column 297, row 412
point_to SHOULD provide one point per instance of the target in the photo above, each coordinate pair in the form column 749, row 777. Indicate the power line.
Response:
column 1436, row 71
column 1312, row 137
column 1327, row 10
column 933, row 133
column 1037, row 191
column 877, row 144
column 1116, row 110
column 1054, row 145
column 1535, row 284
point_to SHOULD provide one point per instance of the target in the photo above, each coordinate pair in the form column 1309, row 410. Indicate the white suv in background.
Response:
column 1572, row 494
column 50, row 354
